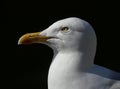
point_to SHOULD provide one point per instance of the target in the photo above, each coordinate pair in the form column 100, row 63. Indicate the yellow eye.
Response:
column 64, row 29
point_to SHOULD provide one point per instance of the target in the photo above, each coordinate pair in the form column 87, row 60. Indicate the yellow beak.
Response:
column 30, row 38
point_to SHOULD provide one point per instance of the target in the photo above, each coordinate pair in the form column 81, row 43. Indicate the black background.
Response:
column 26, row 66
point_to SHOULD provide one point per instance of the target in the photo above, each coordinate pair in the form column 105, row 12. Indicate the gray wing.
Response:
column 116, row 85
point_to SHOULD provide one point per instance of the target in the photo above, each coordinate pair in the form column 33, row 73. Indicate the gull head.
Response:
column 70, row 34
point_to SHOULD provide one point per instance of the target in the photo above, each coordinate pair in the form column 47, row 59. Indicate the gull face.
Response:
column 67, row 34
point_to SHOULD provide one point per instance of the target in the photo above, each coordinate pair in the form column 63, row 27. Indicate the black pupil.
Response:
column 64, row 29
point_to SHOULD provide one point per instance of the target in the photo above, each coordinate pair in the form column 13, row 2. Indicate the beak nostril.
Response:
column 30, row 36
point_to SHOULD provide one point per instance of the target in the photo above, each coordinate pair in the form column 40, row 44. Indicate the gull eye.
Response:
column 64, row 29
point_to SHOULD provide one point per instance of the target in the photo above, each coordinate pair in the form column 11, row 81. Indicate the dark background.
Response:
column 26, row 66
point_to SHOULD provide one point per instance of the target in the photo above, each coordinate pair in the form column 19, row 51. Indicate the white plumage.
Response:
column 74, row 43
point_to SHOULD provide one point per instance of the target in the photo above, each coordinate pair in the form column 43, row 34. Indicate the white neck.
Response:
column 74, row 60
column 66, row 65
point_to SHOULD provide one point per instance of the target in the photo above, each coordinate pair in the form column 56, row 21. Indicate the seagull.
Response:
column 74, row 42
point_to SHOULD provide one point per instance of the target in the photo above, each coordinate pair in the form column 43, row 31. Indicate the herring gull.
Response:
column 73, row 41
